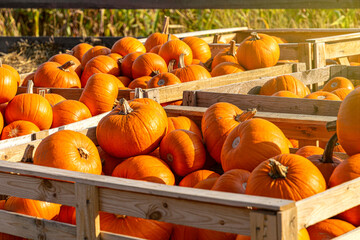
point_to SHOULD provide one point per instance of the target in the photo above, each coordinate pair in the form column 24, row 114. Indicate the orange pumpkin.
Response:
column 258, row 51
column 302, row 235
column 284, row 82
column 194, row 178
column 338, row 82
column 182, row 122
column 171, row 50
column 163, row 79
column 80, row 49
column 109, row 162
column 18, row 128
column 148, row 64
column 285, row 93
column 140, row 82
column 234, row 181
column 226, row 68
column 100, row 93
column 244, row 138
column 69, row 111
column 228, row 55
column 199, row 48
column 93, row 52
column 155, row 49
column 127, row 45
column 27, row 78
column 159, row 38
column 64, row 58
column 127, row 62
column 308, row 151
column 150, row 129
column 54, row 98
column 206, row 183
column 53, row 74
column 12, row 70
column 321, row 95
column 341, row 92
column 329, row 229
column 8, row 84
column 115, row 56
column 181, row 232
column 124, row 80
column 73, row 151
column 286, row 176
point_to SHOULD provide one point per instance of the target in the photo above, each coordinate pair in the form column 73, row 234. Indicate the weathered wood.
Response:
column 111, row 236
column 344, row 61
column 287, row 227
column 263, row 225
column 337, row 38
column 342, row 49
column 319, row 52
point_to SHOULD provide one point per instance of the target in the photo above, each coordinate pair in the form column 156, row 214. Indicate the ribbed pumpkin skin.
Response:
column 109, row 162
column 329, row 229
column 206, row 183
column 93, row 52
column 182, row 122
column 99, row 64
column 226, row 68
column 30, row 107
column 285, row 93
column 48, row 74
column 172, row 49
column 18, row 128
column 156, row 39
column 336, row 83
column 155, row 49
column 194, row 178
column 100, row 93
column 79, row 50
column 8, row 85
column 136, row 227
column 63, row 150
column 191, row 73
column 258, row 53
column 69, row 111
column 148, row 64
column 54, row 98
column 285, row 82
column 302, row 180
column 127, row 62
column 321, row 95
column 348, row 170
column 216, row 125
column 251, row 143
column 341, row 92
column 308, row 151
column 13, row 71
column 348, row 119
column 142, row 129
column 63, row 58
column 223, row 56
column 162, row 80
column 141, row 82
column 127, row 45
column 199, row 48
column 234, row 181
column 115, row 56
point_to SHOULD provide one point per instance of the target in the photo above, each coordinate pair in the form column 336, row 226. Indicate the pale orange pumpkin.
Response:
column 338, row 82
column 322, row 95
column 127, row 45
column 284, row 82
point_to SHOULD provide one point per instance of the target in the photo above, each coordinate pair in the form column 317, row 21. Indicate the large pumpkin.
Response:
column 329, row 229
column 171, row 50
column 8, row 84
column 80, row 49
column 136, row 127
column 15, row 73
column 251, row 143
column 127, row 45
column 258, row 51
column 199, row 48
column 284, row 82
column 148, row 64
column 63, row 58
column 191, row 72
column 18, row 128
column 286, row 176
column 69, row 150
column 69, row 111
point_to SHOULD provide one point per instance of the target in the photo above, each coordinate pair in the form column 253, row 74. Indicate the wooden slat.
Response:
column 287, row 227
column 111, row 236
column 263, row 225
column 342, row 49
column 343, row 37
column 181, row 4
column 352, row 235
column 319, row 55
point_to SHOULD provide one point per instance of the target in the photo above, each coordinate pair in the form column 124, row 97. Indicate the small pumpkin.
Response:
column 127, row 45
column 141, row 82
column 329, row 229
column 127, row 62
column 206, row 183
column 194, row 178
column 284, row 82
column 115, row 56
column 54, row 98
column 148, row 64
column 8, row 84
column 124, row 80
column 162, row 80
column 321, row 95
column 155, row 49
column 171, row 50
column 15, row 73
column 93, row 52
column 199, row 48
column 308, row 151
column 109, row 162
column 64, row 58
column 18, row 128
column 285, row 93
column 182, row 122
column 234, row 181
column 341, row 92
column 69, row 111
column 80, row 49
column 338, row 82
column 228, row 55
column 226, row 68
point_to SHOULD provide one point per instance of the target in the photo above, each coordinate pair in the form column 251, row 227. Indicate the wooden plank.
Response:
column 353, row 72
column 342, row 37
column 344, row 61
column 286, row 223
column 342, row 49
column 328, row 203
column 87, row 212
column 146, row 4
column 289, row 51
column 352, row 235
column 305, row 54
column 319, row 55
column 263, row 225
column 111, row 236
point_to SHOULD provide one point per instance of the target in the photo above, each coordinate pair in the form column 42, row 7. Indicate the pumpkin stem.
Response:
column 0, row 63
column 216, row 38
column 254, row 36
column 125, row 108
column 171, row 65
column 181, row 63
column 71, row 52
column 83, row 153
column 232, row 50
column 277, row 170
column 169, row 37
column 165, row 29
column 28, row 154
column 120, row 216
column 208, row 64
column 246, row 115
column 331, row 126
column 116, row 103
column 327, row 156
column 42, row 92
column 30, row 87
column 66, row 65
column 154, row 73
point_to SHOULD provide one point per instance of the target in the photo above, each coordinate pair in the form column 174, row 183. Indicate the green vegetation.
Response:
column 78, row 22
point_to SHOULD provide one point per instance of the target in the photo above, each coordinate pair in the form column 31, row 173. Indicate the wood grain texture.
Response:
column 287, row 227
column 336, row 38
column 352, row 235
column 342, row 49
column 263, row 225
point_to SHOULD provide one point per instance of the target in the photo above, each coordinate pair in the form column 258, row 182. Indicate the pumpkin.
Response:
column 336, row 83
column 321, row 95
column 162, row 80
column 73, row 151
column 226, row 68
column 53, row 74
column 183, row 151
column 80, row 49
column 308, row 151
column 234, row 181
column 99, row 64
column 8, row 84
column 100, row 93
column 326, row 162
column 194, row 178
column 293, row 143
column 115, row 56
column 109, row 162
column 199, row 48
column 346, row 171
column 245, row 138
column 286, row 176
column 140, row 82
column 181, row 232
column 258, row 51
column 228, row 55
column 341, row 92
column 284, row 82
column 347, row 126
column 12, row 70
column 171, row 50
column 93, row 52
column 148, row 64
column 64, row 58
column 3, row 108
column 127, row 62
column 133, row 126
column 69, row 111
column 155, row 49
column 182, row 122
column 206, row 183
column 329, row 229
column 127, row 45
column 124, row 80
column 18, row 128
column 218, row 121
column 284, row 93
column 28, row 77
column 54, row 98
column 191, row 72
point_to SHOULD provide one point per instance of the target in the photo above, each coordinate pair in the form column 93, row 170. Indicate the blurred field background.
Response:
column 141, row 23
